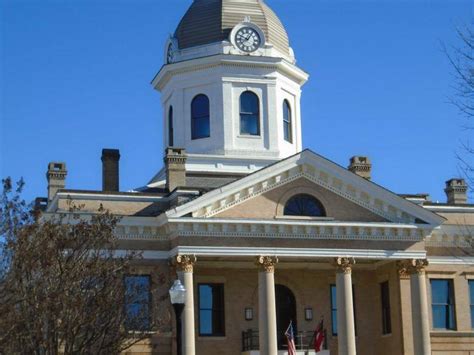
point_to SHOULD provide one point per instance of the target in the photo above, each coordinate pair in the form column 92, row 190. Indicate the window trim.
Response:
column 194, row 136
column 150, row 301
column 287, row 121
column 213, row 335
column 258, row 114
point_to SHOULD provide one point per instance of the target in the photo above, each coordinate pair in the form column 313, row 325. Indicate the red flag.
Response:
column 319, row 337
column 290, row 340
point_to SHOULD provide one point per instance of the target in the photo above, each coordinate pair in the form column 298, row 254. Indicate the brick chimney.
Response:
column 110, row 170
column 175, row 165
column 361, row 166
column 56, row 176
column 456, row 191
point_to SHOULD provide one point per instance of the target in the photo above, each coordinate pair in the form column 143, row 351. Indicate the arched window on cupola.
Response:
column 304, row 205
column 287, row 129
column 249, row 114
column 200, row 125
column 170, row 127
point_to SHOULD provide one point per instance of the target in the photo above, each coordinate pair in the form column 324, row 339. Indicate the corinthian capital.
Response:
column 419, row 266
column 266, row 263
column 185, row 262
column 344, row 264
column 412, row 266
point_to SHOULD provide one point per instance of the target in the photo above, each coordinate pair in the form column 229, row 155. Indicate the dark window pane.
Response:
column 249, row 114
column 439, row 317
column 386, row 317
column 137, row 302
column 471, row 297
column 200, row 125
column 205, row 322
column 304, row 205
column 333, row 310
column 440, row 293
column 170, row 127
column 249, row 124
column 249, row 102
column 200, row 106
column 442, row 296
column 472, row 316
column 211, row 310
column 287, row 122
column 471, row 292
column 205, row 297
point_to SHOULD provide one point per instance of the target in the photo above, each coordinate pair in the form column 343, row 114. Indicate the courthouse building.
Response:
column 262, row 232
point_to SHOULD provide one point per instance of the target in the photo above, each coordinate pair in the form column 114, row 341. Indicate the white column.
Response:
column 185, row 264
column 345, row 307
column 419, row 304
column 267, row 326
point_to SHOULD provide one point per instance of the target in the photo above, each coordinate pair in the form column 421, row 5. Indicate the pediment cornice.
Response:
column 319, row 171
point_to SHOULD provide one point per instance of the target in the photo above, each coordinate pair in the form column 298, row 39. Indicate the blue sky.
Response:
column 75, row 77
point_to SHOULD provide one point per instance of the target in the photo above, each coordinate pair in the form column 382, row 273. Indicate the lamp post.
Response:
column 178, row 297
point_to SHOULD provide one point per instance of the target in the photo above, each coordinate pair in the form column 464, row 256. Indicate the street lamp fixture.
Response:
column 178, row 298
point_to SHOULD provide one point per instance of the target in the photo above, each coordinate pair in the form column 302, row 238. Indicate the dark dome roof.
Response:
column 210, row 21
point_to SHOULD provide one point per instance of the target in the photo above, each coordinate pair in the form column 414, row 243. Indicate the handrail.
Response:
column 303, row 340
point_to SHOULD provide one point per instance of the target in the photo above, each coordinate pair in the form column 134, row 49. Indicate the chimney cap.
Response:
column 456, row 182
column 360, row 159
column 110, row 153
column 56, row 166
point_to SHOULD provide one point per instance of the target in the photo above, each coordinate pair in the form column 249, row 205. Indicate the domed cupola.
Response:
column 230, row 88
column 212, row 27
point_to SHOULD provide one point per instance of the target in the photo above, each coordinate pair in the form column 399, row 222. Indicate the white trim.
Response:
column 453, row 208
column 296, row 253
column 296, row 222
column 281, row 252
column 451, row 260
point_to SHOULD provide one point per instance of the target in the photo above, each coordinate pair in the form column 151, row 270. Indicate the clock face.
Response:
column 248, row 39
column 169, row 54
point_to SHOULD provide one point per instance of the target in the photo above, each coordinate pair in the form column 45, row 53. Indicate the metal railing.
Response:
column 303, row 340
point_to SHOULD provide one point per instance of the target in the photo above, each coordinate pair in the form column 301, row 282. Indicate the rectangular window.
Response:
column 471, row 302
column 386, row 318
column 442, row 304
column 137, row 302
column 211, row 310
column 334, row 309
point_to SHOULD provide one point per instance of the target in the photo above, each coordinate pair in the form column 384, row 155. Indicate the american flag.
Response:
column 319, row 337
column 290, row 340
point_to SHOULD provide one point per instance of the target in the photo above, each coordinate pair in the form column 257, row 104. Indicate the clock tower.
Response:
column 230, row 88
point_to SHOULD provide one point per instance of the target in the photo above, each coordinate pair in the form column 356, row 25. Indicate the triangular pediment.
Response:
column 304, row 170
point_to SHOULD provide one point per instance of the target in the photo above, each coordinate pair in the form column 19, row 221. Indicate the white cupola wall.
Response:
column 229, row 144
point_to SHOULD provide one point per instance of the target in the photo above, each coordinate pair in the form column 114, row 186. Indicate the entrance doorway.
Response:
column 286, row 313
